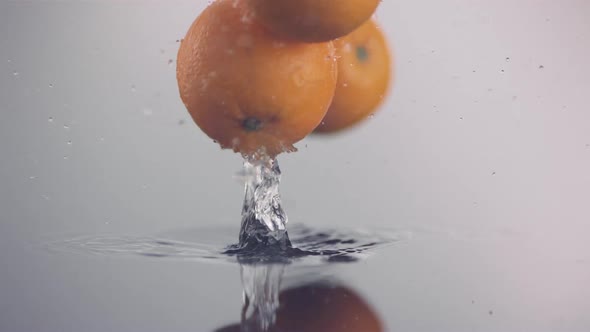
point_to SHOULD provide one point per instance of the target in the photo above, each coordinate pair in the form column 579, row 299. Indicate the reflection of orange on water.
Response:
column 319, row 307
column 364, row 75
column 325, row 308
column 248, row 90
column 312, row 20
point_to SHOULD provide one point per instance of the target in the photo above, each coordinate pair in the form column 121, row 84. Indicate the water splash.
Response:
column 263, row 237
column 264, row 222
column 310, row 246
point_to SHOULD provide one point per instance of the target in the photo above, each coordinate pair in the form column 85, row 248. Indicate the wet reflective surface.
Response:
column 313, row 300
column 470, row 187
column 435, row 278
column 307, row 246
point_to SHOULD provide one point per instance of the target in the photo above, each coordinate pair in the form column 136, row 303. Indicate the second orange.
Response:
column 364, row 77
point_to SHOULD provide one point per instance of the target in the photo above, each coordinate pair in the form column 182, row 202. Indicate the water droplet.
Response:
column 372, row 115
column 101, row 139
column 133, row 88
column 32, row 177
column 50, row 85
column 502, row 70
column 345, row 85
column 507, row 59
column 170, row 62
column 494, row 173
column 235, row 142
column 65, row 157
column 205, row 84
column 245, row 40
column 9, row 61
column 247, row 18
column 50, row 119
column 181, row 122
column 541, row 66
column 66, row 127
column 298, row 79
column 491, row 312
column 107, row 222
column 15, row 73
column 69, row 142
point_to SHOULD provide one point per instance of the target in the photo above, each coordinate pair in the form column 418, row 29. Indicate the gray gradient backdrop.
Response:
column 484, row 139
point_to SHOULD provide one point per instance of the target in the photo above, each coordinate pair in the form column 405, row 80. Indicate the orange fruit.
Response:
column 364, row 75
column 248, row 90
column 313, row 20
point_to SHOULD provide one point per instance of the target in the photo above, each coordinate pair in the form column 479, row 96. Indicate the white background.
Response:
column 483, row 142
